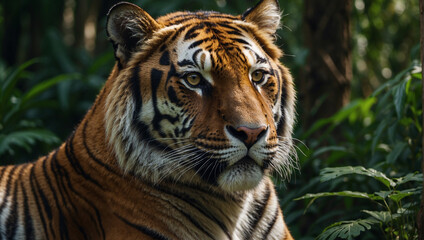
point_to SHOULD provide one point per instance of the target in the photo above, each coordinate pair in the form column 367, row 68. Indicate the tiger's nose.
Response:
column 247, row 135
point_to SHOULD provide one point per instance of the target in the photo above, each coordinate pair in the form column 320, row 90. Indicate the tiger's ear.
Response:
column 128, row 27
column 266, row 15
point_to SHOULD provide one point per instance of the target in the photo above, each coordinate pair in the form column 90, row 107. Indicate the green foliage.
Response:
column 331, row 173
column 35, row 104
column 25, row 139
column 396, row 216
column 346, row 229
column 381, row 135
column 16, row 129
column 383, row 41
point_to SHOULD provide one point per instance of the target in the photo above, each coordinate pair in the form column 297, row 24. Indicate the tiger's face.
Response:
column 200, row 97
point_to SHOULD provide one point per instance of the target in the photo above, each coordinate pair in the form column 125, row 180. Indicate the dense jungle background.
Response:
column 358, row 76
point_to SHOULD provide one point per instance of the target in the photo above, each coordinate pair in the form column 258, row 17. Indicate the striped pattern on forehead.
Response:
column 213, row 45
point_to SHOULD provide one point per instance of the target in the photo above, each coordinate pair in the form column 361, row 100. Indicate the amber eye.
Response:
column 193, row 78
column 258, row 76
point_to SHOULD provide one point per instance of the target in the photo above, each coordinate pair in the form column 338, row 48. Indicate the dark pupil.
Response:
column 258, row 76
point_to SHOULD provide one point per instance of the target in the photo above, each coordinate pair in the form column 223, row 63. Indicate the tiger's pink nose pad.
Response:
column 248, row 136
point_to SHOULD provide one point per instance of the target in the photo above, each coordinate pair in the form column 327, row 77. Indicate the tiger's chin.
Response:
column 241, row 176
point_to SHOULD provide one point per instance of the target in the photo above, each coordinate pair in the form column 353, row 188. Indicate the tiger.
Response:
column 181, row 142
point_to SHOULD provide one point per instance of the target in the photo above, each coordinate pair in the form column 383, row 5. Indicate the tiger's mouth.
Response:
column 245, row 161
column 243, row 175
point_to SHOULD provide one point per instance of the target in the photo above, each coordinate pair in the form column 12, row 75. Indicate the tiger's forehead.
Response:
column 187, row 17
column 213, row 45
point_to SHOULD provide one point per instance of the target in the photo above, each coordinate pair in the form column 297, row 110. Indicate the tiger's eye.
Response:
column 193, row 79
column 257, row 76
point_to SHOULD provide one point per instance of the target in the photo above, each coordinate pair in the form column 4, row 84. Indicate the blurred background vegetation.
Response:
column 356, row 67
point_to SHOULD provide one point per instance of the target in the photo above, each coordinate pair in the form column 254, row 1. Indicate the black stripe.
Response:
column 12, row 218
column 185, row 62
column 200, row 143
column 145, row 230
column 198, row 42
column 271, row 224
column 2, row 170
column 183, row 130
column 81, row 196
column 164, row 59
column 178, row 32
column 256, row 214
column 91, row 155
column 142, row 129
column 28, row 223
column 70, row 154
column 194, row 57
column 195, row 204
column 190, row 15
column 8, row 188
column 222, row 197
column 239, row 40
column 231, row 27
column 34, row 194
column 134, row 85
column 260, row 59
column 234, row 32
column 63, row 192
column 45, row 204
column 191, row 32
column 173, row 96
column 62, row 220
column 281, row 124
column 156, row 77
column 171, row 73
column 190, row 218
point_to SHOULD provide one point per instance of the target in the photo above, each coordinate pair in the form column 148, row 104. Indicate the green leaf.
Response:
column 102, row 61
column 346, row 229
column 383, row 194
column 340, row 194
column 316, row 126
column 340, row 116
column 417, row 75
column 329, row 148
column 10, row 81
column 25, row 138
column 41, row 87
column 377, row 134
column 399, row 96
column 396, row 151
column 392, row 82
column 411, row 177
column 8, row 85
column 383, row 216
column 331, row 173
column 397, row 196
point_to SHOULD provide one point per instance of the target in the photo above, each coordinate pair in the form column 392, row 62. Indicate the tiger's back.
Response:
column 180, row 142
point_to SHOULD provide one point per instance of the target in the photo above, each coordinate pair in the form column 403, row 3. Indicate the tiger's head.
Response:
column 200, row 96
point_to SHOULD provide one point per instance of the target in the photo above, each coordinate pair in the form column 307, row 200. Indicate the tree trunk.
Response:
column 325, row 84
column 420, row 217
